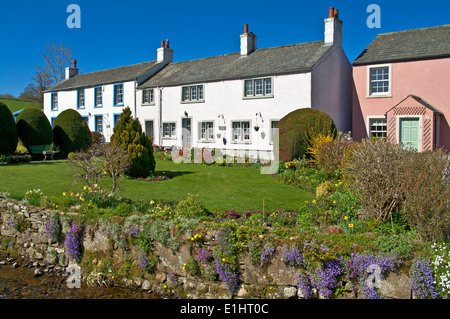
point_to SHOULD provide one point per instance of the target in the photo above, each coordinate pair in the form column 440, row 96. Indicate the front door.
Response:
column 409, row 133
column 149, row 128
column 186, row 133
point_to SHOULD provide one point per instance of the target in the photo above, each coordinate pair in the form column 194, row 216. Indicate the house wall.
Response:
column 427, row 79
column 290, row 92
column 68, row 100
column 332, row 88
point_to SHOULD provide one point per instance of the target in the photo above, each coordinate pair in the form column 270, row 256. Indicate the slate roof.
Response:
column 262, row 62
column 416, row 44
column 114, row 75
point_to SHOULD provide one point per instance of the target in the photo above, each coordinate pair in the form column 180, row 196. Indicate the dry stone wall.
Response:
column 276, row 280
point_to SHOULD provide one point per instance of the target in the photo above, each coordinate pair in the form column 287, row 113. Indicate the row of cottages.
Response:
column 402, row 88
column 231, row 102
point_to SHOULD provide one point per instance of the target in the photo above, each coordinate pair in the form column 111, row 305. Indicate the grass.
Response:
column 16, row 105
column 219, row 188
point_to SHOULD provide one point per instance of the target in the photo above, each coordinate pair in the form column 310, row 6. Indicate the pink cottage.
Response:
column 402, row 88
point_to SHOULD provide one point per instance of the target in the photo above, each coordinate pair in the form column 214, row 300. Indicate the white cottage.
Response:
column 229, row 102
column 233, row 102
column 101, row 96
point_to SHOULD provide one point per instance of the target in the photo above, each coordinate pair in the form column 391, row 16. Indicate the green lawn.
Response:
column 219, row 188
column 15, row 105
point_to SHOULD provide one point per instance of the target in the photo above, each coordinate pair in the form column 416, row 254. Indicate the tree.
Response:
column 33, row 127
column 30, row 93
column 56, row 58
column 42, row 82
column 8, row 131
column 70, row 131
column 128, row 133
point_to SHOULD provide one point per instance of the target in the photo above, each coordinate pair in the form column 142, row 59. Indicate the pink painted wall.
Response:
column 428, row 79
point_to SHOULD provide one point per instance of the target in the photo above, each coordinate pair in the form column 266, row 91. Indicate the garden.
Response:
column 335, row 209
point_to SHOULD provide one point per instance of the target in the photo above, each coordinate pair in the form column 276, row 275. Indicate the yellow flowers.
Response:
column 345, row 217
column 334, row 202
column 289, row 164
column 314, row 202
column 195, row 237
column 64, row 194
column 184, row 266
column 350, row 225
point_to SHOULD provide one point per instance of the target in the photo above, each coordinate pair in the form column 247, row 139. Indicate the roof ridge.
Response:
column 115, row 68
column 257, row 50
column 417, row 29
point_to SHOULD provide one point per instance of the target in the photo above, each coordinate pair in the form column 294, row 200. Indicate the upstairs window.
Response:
column 98, row 97
column 147, row 96
column 261, row 87
column 118, row 94
column 80, row 99
column 54, row 101
column 192, row 93
column 379, row 80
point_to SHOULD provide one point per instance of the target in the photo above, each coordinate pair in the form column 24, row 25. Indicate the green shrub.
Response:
column 190, row 207
column 296, row 128
column 71, row 132
column 33, row 127
column 8, row 131
column 128, row 133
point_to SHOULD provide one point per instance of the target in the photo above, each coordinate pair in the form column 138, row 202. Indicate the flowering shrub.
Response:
column 291, row 255
column 440, row 264
column 34, row 197
column 73, row 242
column 422, row 279
column 355, row 269
column 324, row 279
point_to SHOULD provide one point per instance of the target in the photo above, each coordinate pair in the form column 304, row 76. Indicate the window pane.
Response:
column 193, row 93
column 119, row 94
column 249, row 88
column 236, row 131
column 258, row 87
column 200, row 92
column 379, row 80
column 246, row 130
column 378, row 128
column 150, row 96
column 268, row 86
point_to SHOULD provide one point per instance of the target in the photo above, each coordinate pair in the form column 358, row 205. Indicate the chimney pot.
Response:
column 336, row 13
column 331, row 15
column 163, row 44
column 75, row 63
column 167, row 43
column 245, row 28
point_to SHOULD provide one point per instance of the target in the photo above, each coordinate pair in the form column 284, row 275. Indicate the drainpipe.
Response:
column 160, row 115
column 135, row 89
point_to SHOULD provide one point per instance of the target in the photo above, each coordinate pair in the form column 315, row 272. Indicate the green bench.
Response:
column 46, row 150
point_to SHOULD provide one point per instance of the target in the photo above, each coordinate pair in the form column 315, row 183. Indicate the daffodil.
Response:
column 64, row 194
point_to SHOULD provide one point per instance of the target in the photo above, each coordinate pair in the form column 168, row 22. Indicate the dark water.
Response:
column 21, row 283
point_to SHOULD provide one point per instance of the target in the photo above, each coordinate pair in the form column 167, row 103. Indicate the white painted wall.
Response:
column 290, row 92
column 68, row 100
column 332, row 83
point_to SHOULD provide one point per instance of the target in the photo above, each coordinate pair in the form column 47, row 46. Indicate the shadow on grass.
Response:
column 174, row 174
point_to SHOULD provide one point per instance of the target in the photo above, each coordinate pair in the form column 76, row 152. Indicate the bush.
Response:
column 426, row 190
column 374, row 169
column 190, row 207
column 8, row 131
column 128, row 133
column 71, row 132
column 33, row 127
column 295, row 130
column 330, row 155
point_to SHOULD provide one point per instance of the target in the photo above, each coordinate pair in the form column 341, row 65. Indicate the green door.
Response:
column 409, row 133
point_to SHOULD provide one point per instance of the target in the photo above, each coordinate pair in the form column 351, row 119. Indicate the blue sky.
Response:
column 117, row 33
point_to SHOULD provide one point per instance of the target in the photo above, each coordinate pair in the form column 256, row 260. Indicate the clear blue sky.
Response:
column 117, row 33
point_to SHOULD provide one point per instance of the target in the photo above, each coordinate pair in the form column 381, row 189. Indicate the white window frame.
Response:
column 193, row 93
column 241, row 139
column 118, row 95
column 371, row 94
column 206, row 131
column 374, row 118
column 251, row 89
column 150, row 100
column 81, row 97
column 98, row 98
column 172, row 126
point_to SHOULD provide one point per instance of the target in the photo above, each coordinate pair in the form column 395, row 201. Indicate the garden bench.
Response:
column 46, row 150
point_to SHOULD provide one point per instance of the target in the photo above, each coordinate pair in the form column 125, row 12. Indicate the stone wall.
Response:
column 276, row 280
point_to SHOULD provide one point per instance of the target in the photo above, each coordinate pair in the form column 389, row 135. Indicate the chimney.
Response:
column 333, row 28
column 71, row 71
column 248, row 42
column 165, row 54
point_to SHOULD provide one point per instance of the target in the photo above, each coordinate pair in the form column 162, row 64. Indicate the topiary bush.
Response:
column 33, row 127
column 71, row 132
column 8, row 131
column 128, row 133
column 298, row 127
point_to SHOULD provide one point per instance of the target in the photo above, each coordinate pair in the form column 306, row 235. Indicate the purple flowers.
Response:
column 157, row 178
column 266, row 254
column 291, row 255
column 422, row 279
column 53, row 230
column 72, row 242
